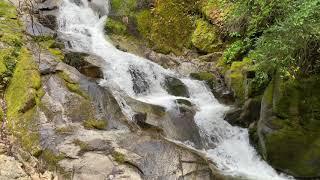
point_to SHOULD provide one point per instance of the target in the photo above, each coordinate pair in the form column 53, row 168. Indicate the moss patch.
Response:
column 51, row 158
column 115, row 27
column 64, row 130
column 95, row 124
column 205, row 37
column 296, row 105
column 119, row 157
column 72, row 86
column 84, row 147
column 236, row 78
column 50, row 44
column 21, row 97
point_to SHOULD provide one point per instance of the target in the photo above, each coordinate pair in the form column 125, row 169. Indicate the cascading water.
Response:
column 82, row 27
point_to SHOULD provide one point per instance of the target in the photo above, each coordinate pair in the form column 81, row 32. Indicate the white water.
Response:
column 233, row 155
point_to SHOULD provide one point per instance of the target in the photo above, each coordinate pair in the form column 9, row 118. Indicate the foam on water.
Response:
column 83, row 29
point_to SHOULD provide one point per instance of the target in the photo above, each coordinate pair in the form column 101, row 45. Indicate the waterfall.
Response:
column 82, row 27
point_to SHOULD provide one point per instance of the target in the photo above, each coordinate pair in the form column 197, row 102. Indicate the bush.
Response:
column 293, row 45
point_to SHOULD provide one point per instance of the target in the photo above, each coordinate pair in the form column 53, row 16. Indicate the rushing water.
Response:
column 233, row 154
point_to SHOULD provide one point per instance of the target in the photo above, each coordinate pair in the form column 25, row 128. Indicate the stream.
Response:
column 226, row 145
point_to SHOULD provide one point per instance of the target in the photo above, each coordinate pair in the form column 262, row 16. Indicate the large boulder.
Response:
column 173, row 123
column 289, row 126
column 89, row 65
column 245, row 116
column 205, row 37
column 11, row 169
column 216, row 84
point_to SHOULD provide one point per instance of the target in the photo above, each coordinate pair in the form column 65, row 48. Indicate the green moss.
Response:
column 11, row 38
column 24, row 85
column 95, row 124
column 170, row 26
column 202, row 76
column 296, row 126
column 84, row 147
column 292, row 144
column 1, row 114
column 236, row 78
column 73, row 86
column 119, row 157
column 7, row 10
column 144, row 22
column 51, row 158
column 115, row 27
column 123, row 7
column 64, row 130
column 50, row 44
column 21, row 97
column 205, row 37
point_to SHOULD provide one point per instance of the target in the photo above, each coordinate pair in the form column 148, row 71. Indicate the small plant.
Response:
column 118, row 157
column 95, row 124
column 84, row 147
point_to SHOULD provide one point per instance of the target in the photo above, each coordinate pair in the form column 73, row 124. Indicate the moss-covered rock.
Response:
column 115, row 27
column 289, row 128
column 205, row 38
column 11, row 41
column 236, row 79
column 22, row 96
column 167, row 27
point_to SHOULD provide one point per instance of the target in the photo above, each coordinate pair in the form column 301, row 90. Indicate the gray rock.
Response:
column 173, row 123
column 99, row 6
column 140, row 83
column 86, row 64
column 11, row 169
column 49, row 21
column 35, row 28
column 175, row 87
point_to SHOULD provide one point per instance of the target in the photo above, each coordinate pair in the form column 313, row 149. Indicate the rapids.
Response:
column 83, row 27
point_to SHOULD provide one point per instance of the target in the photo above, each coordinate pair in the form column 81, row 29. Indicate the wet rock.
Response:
column 49, row 21
column 48, row 5
column 99, row 6
column 165, row 61
column 217, row 86
column 86, row 64
column 77, row 2
column 140, row 119
column 184, row 102
column 233, row 116
column 175, row 87
column 249, row 113
column 140, row 83
column 173, row 123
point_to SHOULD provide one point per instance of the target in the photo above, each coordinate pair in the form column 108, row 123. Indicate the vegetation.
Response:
column 95, row 124
column 119, row 157
column 64, row 130
column 84, row 147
